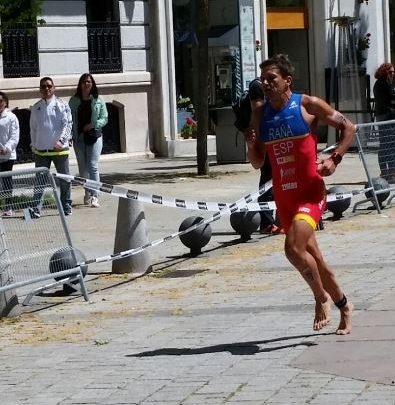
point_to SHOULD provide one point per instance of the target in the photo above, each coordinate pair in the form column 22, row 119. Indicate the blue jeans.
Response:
column 62, row 166
column 88, row 160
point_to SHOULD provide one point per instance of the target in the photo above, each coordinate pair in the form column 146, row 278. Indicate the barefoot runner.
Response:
column 286, row 132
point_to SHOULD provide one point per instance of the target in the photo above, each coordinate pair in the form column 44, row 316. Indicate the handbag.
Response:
column 91, row 136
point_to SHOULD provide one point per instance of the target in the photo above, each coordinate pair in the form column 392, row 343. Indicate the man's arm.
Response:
column 67, row 124
column 33, row 128
column 255, row 149
column 256, row 114
column 325, row 113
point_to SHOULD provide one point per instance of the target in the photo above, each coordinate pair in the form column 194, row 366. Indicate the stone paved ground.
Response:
column 231, row 326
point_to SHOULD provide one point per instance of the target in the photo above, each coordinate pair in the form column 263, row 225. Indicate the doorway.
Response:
column 287, row 32
column 294, row 43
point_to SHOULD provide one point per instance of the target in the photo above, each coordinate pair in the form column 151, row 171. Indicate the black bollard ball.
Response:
column 197, row 238
column 378, row 184
column 245, row 223
column 63, row 259
column 337, row 207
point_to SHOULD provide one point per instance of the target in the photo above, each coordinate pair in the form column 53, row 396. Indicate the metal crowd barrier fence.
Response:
column 376, row 147
column 34, row 238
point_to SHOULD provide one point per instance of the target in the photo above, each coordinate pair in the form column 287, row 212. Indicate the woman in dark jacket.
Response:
column 384, row 99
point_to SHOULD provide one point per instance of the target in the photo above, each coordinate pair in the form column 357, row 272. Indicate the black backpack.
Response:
column 242, row 110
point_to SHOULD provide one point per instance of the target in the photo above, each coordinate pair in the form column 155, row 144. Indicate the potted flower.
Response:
column 183, row 103
column 184, row 110
column 189, row 129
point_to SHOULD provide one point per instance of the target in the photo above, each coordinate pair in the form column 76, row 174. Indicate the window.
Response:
column 104, row 36
column 19, row 41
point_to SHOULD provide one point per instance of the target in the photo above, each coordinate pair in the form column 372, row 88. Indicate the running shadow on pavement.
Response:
column 236, row 349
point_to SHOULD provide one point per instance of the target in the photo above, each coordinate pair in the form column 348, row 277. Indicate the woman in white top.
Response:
column 9, row 138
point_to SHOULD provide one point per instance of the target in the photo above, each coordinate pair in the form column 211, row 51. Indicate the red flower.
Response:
column 189, row 121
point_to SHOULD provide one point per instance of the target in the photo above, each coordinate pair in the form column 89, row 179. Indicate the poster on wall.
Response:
column 247, row 41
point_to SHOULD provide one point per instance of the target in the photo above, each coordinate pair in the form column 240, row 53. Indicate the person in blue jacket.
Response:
column 90, row 115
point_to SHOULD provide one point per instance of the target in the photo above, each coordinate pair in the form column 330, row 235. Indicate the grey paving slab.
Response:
column 368, row 353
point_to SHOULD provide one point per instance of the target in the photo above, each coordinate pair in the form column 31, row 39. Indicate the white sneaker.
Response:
column 95, row 202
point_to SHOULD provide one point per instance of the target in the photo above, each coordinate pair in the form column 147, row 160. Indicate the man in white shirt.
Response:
column 50, row 132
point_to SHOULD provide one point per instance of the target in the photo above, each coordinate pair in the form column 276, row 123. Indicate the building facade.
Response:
column 111, row 41
column 142, row 54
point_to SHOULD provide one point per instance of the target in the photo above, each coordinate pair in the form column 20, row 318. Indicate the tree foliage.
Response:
column 14, row 12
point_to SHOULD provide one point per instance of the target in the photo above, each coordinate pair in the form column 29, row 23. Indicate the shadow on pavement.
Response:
column 236, row 349
column 148, row 178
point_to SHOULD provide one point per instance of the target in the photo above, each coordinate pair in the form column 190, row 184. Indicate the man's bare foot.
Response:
column 345, row 320
column 322, row 314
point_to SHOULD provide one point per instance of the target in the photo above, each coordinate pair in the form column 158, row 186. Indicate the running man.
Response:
column 285, row 129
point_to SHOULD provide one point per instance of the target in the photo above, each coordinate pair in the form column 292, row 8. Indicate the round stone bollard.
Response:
column 378, row 184
column 245, row 223
column 64, row 260
column 196, row 239
column 130, row 233
column 337, row 207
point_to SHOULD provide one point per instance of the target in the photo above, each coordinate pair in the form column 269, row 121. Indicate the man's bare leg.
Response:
column 322, row 315
column 296, row 251
column 332, row 287
column 346, row 309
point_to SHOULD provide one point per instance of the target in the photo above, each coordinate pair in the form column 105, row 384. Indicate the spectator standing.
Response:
column 9, row 138
column 50, row 132
column 384, row 100
column 90, row 115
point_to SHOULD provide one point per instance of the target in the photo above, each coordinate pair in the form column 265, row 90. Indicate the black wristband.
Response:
column 336, row 158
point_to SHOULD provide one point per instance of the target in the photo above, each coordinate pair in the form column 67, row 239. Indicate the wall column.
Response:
column 163, row 103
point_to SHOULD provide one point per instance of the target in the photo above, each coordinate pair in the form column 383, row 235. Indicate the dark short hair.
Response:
column 46, row 79
column 5, row 98
column 382, row 70
column 281, row 62
column 94, row 91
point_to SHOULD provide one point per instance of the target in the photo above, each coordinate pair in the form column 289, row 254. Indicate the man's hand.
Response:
column 250, row 136
column 58, row 146
column 325, row 167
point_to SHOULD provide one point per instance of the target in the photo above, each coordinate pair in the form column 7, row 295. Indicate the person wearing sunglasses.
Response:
column 50, row 132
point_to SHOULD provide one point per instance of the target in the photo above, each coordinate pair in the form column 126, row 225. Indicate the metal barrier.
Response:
column 35, row 244
column 376, row 146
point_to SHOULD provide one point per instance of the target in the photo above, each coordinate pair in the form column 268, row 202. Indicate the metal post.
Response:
column 8, row 299
column 130, row 233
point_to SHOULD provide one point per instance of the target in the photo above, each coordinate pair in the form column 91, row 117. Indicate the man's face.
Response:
column 47, row 89
column 391, row 75
column 2, row 104
column 273, row 83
